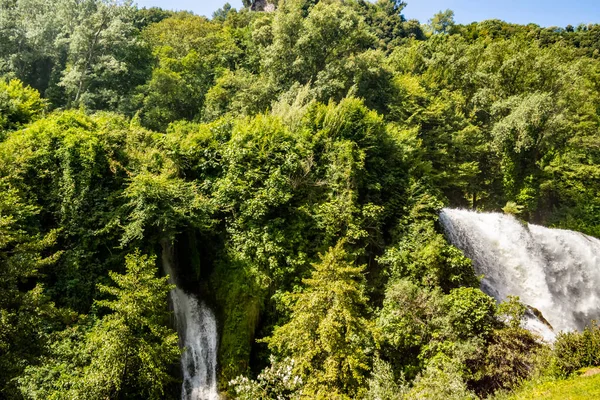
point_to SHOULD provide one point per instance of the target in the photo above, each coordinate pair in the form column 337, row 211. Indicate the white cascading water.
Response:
column 555, row 271
column 197, row 329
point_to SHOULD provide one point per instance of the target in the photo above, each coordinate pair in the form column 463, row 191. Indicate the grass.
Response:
column 575, row 388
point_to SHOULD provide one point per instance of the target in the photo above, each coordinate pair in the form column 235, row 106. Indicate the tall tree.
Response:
column 103, row 48
column 328, row 335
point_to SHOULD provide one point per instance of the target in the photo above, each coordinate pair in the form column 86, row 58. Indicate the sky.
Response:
column 542, row 12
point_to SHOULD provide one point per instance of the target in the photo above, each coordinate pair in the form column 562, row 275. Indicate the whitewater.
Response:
column 555, row 271
column 197, row 330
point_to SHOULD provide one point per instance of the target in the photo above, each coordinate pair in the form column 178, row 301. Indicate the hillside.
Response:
column 248, row 206
column 577, row 388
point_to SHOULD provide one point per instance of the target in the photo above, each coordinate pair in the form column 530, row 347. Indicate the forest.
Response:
column 293, row 157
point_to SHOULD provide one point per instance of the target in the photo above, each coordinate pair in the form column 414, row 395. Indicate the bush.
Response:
column 407, row 323
column 471, row 312
column 509, row 358
column 383, row 385
column 424, row 256
column 512, row 312
column 575, row 350
column 512, row 208
column 19, row 104
column 275, row 382
column 441, row 380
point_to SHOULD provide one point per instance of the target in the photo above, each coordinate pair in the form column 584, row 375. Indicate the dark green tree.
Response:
column 127, row 353
column 26, row 313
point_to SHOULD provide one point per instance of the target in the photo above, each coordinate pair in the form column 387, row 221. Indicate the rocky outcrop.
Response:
column 263, row 5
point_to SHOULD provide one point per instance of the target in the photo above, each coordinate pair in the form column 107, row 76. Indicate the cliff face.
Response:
column 263, row 5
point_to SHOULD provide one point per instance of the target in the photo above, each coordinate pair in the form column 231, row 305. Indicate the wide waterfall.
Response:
column 552, row 270
column 197, row 329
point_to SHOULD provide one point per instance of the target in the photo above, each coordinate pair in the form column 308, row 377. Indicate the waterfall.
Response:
column 554, row 271
column 197, row 329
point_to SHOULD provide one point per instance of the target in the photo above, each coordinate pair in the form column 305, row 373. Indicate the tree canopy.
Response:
column 294, row 155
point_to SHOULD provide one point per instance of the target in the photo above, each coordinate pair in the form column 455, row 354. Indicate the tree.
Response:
column 418, row 324
column 189, row 51
column 74, row 168
column 19, row 105
column 277, row 381
column 26, row 313
column 470, row 312
column 127, row 353
column 158, row 204
column 527, row 129
column 383, row 385
column 221, row 13
column 424, row 256
column 442, row 22
column 407, row 322
column 315, row 48
column 328, row 335
column 82, row 52
column 385, row 19
column 148, row 16
column 102, row 50
column 238, row 93
column 441, row 380
column 280, row 133
column 30, row 47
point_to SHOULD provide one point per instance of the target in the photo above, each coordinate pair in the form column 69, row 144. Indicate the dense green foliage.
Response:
column 328, row 336
column 124, row 354
column 296, row 160
column 575, row 350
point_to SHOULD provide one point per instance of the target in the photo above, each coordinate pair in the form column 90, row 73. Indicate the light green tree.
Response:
column 19, row 104
column 442, row 22
column 329, row 336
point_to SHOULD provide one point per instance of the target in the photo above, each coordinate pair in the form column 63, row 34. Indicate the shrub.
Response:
column 471, row 312
column 575, row 350
column 441, row 380
column 509, row 358
column 19, row 104
column 383, row 385
column 275, row 382
column 512, row 208
column 512, row 312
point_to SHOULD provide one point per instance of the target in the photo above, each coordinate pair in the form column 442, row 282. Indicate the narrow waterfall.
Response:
column 553, row 270
column 197, row 328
